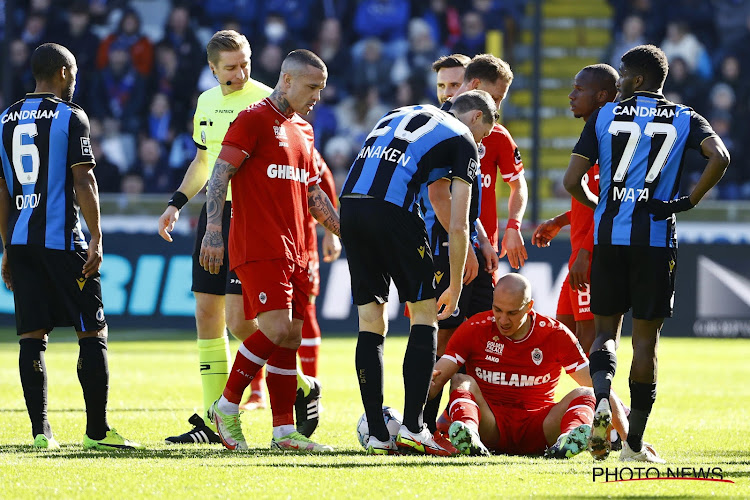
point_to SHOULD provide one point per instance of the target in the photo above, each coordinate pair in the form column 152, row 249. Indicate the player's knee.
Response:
column 240, row 327
column 463, row 382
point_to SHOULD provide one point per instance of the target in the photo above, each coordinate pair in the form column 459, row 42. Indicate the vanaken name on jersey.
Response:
column 389, row 154
column 287, row 172
column 647, row 112
column 30, row 114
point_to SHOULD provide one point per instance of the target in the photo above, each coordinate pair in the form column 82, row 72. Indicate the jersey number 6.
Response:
column 29, row 150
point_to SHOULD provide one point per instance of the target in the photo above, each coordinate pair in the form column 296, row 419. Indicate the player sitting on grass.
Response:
column 505, row 402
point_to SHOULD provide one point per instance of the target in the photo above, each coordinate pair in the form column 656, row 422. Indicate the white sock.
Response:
column 225, row 406
column 283, row 430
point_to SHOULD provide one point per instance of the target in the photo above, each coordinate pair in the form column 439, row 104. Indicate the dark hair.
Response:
column 488, row 68
column 451, row 61
column 305, row 57
column 650, row 62
column 476, row 99
column 604, row 75
column 48, row 58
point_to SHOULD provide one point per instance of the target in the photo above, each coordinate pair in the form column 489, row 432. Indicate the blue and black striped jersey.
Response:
column 409, row 147
column 640, row 144
column 43, row 137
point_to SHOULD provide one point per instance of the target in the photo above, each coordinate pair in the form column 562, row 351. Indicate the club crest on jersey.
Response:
column 536, row 356
column 100, row 314
column 263, row 298
column 482, row 150
column 495, row 347
column 280, row 133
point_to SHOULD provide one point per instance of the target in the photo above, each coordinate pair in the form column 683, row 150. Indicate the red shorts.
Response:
column 580, row 298
column 268, row 285
column 521, row 430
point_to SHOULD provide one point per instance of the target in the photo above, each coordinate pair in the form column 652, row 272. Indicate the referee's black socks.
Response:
column 93, row 374
column 419, row 361
column 602, row 365
column 369, row 362
column 33, row 373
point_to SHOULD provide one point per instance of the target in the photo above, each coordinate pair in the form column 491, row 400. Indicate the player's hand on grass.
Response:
column 331, row 247
column 94, row 261
column 167, row 221
column 448, row 302
column 545, row 232
column 5, row 272
column 579, row 275
column 512, row 246
column 212, row 251
column 471, row 269
column 663, row 210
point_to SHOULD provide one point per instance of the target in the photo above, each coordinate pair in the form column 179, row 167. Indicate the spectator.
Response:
column 631, row 35
column 34, row 31
column 730, row 186
column 383, row 19
column 108, row 177
column 276, row 32
column 339, row 155
column 81, row 40
column 297, row 15
column 472, row 41
column 244, row 12
column 329, row 46
column 117, row 146
column 680, row 42
column 372, row 69
column 360, row 112
column 268, row 65
column 417, row 62
column 732, row 20
column 21, row 79
column 128, row 35
column 159, row 120
column 166, row 80
column 119, row 91
column 444, row 21
column 157, row 176
column 182, row 151
column 191, row 54
column 691, row 88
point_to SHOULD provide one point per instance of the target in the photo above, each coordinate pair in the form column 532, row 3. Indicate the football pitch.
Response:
column 701, row 420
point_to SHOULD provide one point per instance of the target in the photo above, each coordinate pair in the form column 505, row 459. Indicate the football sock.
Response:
column 302, row 382
column 33, row 371
column 282, row 384
column 213, row 359
column 227, row 407
column 463, row 407
column 419, row 361
column 602, row 364
column 308, row 351
column 258, row 383
column 642, row 397
column 283, row 430
column 580, row 411
column 251, row 356
column 369, row 362
column 431, row 409
column 93, row 374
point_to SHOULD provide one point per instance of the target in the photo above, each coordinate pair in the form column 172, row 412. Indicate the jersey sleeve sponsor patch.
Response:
column 86, row 146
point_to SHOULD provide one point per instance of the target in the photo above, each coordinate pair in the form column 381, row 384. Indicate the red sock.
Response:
column 463, row 406
column 258, row 382
column 282, row 385
column 251, row 356
column 308, row 351
column 580, row 411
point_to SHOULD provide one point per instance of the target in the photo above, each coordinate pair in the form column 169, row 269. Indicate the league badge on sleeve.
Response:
column 86, row 146
column 536, row 356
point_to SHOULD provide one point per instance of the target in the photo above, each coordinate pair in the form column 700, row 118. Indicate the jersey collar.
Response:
column 646, row 93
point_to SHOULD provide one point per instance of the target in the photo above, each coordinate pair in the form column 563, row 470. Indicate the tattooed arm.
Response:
column 212, row 247
column 322, row 209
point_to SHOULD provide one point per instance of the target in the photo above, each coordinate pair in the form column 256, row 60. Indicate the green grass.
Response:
column 700, row 419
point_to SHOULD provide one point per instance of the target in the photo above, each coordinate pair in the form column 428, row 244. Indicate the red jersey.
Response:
column 521, row 373
column 270, row 187
column 582, row 218
column 497, row 151
column 329, row 188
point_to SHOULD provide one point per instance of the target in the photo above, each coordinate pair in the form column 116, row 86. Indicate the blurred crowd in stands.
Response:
column 708, row 46
column 143, row 63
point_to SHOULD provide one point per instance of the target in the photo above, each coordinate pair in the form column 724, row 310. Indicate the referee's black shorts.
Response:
column 383, row 242
column 226, row 281
column 475, row 297
column 641, row 277
column 49, row 290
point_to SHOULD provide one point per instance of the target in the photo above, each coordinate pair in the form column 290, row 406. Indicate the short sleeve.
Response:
column 588, row 143
column 200, row 122
column 700, row 130
column 79, row 140
column 242, row 133
column 465, row 161
column 509, row 159
column 571, row 355
column 458, row 349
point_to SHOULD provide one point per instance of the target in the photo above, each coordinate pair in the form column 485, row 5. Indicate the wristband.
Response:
column 178, row 200
column 513, row 224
